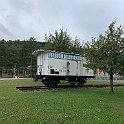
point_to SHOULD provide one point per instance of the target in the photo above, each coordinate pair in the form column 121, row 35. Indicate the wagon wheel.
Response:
column 72, row 83
column 47, row 84
column 81, row 82
column 54, row 82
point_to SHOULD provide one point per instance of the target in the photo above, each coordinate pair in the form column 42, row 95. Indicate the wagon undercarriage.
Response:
column 53, row 81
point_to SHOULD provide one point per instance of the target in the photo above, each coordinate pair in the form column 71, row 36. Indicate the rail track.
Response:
column 40, row 88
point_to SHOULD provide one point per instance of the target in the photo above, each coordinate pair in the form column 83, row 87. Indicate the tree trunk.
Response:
column 12, row 75
column 24, row 73
column 111, row 83
column 1, row 73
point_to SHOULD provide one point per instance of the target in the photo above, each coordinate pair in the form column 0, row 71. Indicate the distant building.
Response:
column 100, row 75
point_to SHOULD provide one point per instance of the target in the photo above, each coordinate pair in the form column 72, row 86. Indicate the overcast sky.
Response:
column 21, row 19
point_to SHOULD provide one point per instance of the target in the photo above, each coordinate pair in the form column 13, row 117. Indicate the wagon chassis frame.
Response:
column 54, row 80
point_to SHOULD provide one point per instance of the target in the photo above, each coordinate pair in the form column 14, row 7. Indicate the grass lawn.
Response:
column 65, row 106
column 104, row 82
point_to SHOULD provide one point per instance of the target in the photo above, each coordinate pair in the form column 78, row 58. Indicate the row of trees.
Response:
column 16, row 55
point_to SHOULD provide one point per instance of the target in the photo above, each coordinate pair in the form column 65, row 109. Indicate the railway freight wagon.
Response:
column 54, row 66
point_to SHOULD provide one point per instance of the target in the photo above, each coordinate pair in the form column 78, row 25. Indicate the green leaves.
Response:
column 3, row 53
column 107, row 51
column 62, row 42
column 18, row 53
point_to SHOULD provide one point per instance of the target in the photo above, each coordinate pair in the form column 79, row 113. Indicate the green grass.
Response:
column 104, row 82
column 74, row 106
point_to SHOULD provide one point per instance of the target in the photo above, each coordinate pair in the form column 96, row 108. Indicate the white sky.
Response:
column 21, row 19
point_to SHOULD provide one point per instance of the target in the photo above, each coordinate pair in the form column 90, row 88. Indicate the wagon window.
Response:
column 51, row 71
column 56, row 72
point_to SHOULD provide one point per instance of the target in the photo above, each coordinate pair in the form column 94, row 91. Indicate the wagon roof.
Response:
column 39, row 51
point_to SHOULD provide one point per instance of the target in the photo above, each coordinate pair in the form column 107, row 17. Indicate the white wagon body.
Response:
column 60, row 64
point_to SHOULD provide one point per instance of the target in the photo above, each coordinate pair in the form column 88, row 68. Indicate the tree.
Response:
column 18, row 54
column 59, row 41
column 121, row 68
column 62, row 42
column 76, row 46
column 107, row 52
column 3, row 55
column 12, row 58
